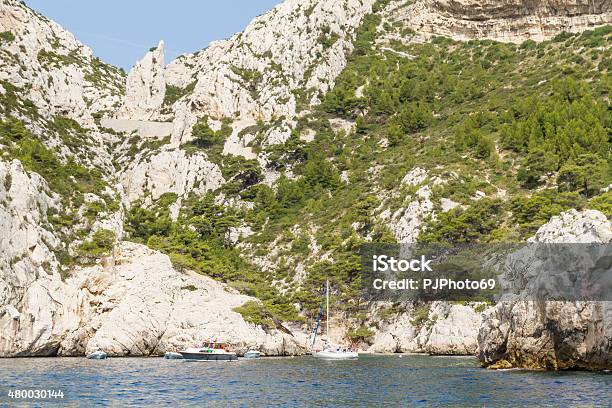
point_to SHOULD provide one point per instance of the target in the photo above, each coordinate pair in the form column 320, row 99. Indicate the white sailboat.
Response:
column 331, row 351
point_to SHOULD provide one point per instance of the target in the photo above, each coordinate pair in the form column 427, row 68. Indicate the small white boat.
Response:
column 252, row 354
column 210, row 352
column 170, row 355
column 97, row 355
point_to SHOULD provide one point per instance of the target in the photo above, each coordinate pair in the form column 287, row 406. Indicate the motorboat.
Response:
column 209, row 352
column 252, row 354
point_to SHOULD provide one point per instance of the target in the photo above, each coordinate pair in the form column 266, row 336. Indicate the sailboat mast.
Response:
column 327, row 320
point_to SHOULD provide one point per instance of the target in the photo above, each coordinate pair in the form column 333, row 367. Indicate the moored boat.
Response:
column 252, row 354
column 330, row 352
column 170, row 355
column 210, row 352
column 97, row 355
column 336, row 353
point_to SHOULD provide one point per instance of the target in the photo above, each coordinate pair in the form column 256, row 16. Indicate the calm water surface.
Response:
column 302, row 381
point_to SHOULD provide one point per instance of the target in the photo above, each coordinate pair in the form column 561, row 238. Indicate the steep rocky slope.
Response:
column 135, row 304
column 284, row 58
column 145, row 86
column 56, row 86
column 58, row 73
column 282, row 63
column 29, row 270
column 444, row 329
column 51, row 79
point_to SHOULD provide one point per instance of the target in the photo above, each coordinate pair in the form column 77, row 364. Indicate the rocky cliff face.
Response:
column 170, row 171
column 58, row 73
column 283, row 62
column 553, row 335
column 287, row 57
column 135, row 304
column 145, row 86
column 446, row 329
column 261, row 83
column 509, row 21
column 47, row 77
column 30, row 285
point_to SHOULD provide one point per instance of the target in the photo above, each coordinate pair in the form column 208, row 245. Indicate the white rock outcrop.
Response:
column 137, row 304
column 170, row 171
column 31, row 293
column 415, row 177
column 395, row 336
column 143, row 306
column 575, row 227
column 407, row 222
column 449, row 329
column 253, row 75
column 145, row 86
column 454, row 330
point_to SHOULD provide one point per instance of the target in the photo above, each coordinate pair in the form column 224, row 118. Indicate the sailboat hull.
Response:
column 336, row 355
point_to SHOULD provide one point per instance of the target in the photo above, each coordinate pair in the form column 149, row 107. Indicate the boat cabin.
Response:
column 214, row 346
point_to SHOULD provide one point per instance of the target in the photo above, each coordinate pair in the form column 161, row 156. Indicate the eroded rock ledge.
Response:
column 507, row 21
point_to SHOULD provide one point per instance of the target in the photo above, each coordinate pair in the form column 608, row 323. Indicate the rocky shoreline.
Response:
column 137, row 304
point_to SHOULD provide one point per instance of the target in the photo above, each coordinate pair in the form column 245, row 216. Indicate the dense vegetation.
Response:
column 174, row 93
column 529, row 125
column 101, row 244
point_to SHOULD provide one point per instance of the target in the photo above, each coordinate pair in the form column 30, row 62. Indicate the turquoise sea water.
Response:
column 297, row 382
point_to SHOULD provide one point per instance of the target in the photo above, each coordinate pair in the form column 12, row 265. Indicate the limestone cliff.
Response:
column 170, row 171
column 284, row 61
column 145, row 86
column 508, row 21
column 136, row 304
column 58, row 73
column 446, row 329
column 31, row 310
column 298, row 46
